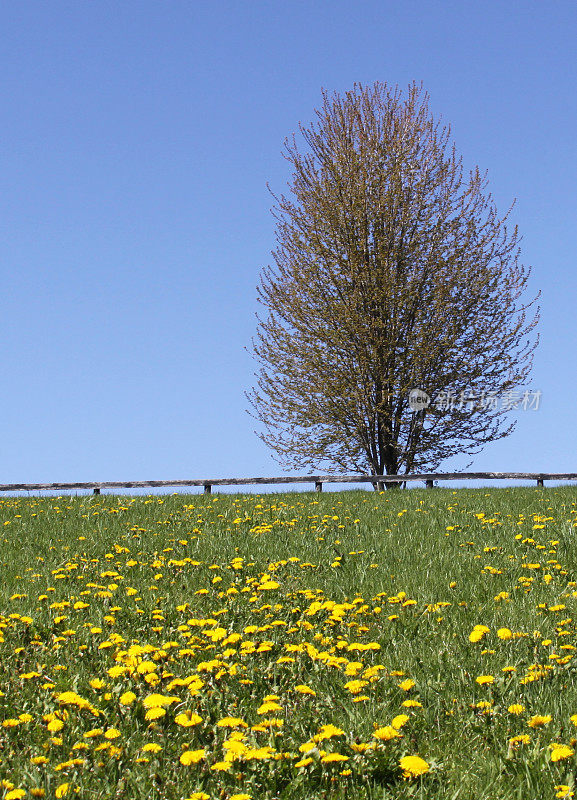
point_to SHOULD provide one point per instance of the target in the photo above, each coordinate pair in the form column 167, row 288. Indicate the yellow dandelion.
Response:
column 221, row 766
column 306, row 747
column 151, row 747
column 478, row 633
column 92, row 733
column 269, row 706
column 516, row 708
column 413, row 766
column 192, row 756
column 327, row 732
column 386, row 733
column 159, row 700
column 560, row 751
column 259, row 754
column 538, row 721
column 523, row 738
column 72, row 699
column 187, row 719
column 356, row 686
column 361, row 747
column 231, row 722
column 331, row 758
column 154, row 713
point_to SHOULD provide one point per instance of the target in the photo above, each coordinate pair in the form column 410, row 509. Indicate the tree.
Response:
column 393, row 272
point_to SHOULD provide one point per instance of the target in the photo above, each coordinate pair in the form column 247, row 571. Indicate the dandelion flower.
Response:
column 327, row 732
column 220, row 766
column 538, row 721
column 386, row 733
column 159, row 700
column 302, row 689
column 269, row 706
column 231, row 722
column 151, row 747
column 560, row 751
column 523, row 738
column 306, row 747
column 92, row 733
column 154, row 713
column 187, row 719
column 192, row 756
column 478, row 633
column 413, row 766
column 72, row 699
column 355, row 687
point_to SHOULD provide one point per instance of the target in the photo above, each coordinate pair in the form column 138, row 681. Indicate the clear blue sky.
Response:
column 136, row 141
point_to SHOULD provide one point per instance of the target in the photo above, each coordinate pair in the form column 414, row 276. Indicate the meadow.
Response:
column 403, row 644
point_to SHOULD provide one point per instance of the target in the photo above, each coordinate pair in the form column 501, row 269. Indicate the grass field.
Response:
column 348, row 645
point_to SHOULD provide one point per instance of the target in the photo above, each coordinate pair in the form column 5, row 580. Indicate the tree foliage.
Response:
column 392, row 271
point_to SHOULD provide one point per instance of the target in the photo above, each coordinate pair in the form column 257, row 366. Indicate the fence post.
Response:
column 207, row 488
column 429, row 483
column 318, row 486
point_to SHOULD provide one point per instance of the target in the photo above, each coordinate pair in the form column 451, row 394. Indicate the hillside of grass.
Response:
column 412, row 643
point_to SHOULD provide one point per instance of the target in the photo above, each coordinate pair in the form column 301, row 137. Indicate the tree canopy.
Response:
column 392, row 272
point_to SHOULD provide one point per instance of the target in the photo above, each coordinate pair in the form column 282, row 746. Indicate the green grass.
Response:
column 326, row 588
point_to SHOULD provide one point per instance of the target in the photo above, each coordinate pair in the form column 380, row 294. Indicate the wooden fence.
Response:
column 378, row 481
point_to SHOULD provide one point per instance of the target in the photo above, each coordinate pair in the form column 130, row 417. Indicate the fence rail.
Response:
column 377, row 480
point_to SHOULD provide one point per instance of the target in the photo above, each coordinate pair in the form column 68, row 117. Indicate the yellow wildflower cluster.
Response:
column 229, row 647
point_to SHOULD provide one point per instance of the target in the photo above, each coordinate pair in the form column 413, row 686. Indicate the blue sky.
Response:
column 136, row 142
